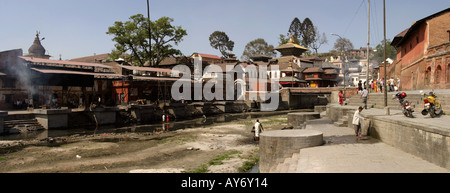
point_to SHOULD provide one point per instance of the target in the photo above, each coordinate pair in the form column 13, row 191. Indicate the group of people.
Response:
column 23, row 104
column 377, row 85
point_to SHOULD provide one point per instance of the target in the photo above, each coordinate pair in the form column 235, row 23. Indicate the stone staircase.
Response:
column 342, row 122
column 21, row 126
column 376, row 100
column 289, row 165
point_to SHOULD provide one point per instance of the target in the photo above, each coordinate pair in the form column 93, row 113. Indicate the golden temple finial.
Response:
column 291, row 39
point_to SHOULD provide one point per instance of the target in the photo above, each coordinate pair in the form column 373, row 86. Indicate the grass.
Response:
column 215, row 161
column 252, row 160
column 218, row 160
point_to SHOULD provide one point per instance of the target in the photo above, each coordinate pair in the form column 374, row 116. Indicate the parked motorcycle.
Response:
column 407, row 108
column 431, row 104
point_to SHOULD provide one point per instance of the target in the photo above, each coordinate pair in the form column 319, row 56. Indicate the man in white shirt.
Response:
column 357, row 121
column 365, row 96
column 258, row 129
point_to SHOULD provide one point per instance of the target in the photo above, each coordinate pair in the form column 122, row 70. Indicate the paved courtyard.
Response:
column 344, row 153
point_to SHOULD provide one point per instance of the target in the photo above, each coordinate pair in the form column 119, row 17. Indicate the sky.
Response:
column 77, row 28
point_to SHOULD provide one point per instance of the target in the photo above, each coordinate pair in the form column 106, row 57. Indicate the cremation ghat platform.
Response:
column 297, row 120
column 52, row 118
column 276, row 146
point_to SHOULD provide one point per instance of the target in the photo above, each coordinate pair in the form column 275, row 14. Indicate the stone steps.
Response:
column 289, row 165
column 377, row 101
column 342, row 122
column 20, row 126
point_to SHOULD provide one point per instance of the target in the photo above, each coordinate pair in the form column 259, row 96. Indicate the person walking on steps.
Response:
column 357, row 122
column 365, row 96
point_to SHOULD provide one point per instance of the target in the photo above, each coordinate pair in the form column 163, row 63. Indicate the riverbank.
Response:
column 218, row 148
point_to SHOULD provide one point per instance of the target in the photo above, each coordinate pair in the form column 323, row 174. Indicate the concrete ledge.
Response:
column 298, row 119
column 277, row 145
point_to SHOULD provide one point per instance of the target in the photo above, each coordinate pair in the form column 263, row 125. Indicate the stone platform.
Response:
column 275, row 146
column 297, row 120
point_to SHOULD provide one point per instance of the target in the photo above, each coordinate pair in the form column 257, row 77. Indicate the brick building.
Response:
column 423, row 54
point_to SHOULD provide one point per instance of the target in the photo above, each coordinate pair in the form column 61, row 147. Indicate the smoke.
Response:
column 17, row 68
column 24, row 76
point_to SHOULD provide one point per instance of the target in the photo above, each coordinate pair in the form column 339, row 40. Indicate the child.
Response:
column 357, row 122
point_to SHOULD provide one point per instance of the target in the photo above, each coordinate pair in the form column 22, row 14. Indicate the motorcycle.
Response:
column 431, row 104
column 407, row 108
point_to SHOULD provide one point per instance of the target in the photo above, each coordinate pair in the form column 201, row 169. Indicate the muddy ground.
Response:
column 218, row 148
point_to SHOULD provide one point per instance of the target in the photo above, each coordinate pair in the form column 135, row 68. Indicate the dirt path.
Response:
column 221, row 148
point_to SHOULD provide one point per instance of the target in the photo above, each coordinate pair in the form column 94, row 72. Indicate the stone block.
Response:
column 52, row 118
column 298, row 119
column 275, row 146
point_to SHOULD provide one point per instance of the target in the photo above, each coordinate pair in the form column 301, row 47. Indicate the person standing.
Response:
column 365, row 96
column 258, row 129
column 359, row 87
column 357, row 122
column 341, row 98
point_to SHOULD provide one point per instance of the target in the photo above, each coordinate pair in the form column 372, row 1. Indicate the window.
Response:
column 9, row 83
column 8, row 98
column 438, row 75
column 448, row 73
column 427, row 76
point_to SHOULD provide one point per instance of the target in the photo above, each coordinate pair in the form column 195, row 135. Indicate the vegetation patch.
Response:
column 215, row 161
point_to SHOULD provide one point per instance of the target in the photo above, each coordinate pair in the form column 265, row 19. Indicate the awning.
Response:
column 64, row 63
column 52, row 71
column 147, row 69
column 160, row 78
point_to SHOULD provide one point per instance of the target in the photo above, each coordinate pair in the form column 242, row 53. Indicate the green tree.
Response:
column 220, row 40
column 308, row 33
column 133, row 36
column 296, row 30
column 303, row 33
column 391, row 52
column 258, row 47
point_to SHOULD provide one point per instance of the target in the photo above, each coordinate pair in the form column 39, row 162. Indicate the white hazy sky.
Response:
column 77, row 28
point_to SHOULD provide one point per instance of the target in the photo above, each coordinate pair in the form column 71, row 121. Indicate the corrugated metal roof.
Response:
column 148, row 69
column 52, row 71
column 63, row 62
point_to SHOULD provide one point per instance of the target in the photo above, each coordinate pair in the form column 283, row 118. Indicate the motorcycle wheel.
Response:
column 432, row 113
column 424, row 112
column 410, row 114
column 438, row 111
